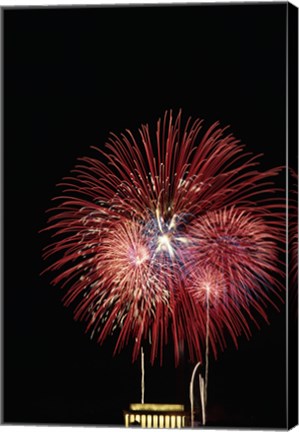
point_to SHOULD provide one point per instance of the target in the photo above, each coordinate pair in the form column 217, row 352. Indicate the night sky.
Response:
column 71, row 76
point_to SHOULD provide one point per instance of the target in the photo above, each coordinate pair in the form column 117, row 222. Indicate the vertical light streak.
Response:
column 204, row 406
column 201, row 381
column 142, row 376
column 191, row 392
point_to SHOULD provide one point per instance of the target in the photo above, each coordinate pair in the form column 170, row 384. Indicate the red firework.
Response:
column 159, row 228
column 293, row 243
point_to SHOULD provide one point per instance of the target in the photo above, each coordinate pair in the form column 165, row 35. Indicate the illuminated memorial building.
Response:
column 151, row 415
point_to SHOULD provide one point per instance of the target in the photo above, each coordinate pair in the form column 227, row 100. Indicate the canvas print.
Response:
column 151, row 222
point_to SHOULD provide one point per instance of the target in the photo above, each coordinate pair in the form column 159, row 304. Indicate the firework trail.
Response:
column 191, row 393
column 144, row 229
column 206, row 358
column 142, row 376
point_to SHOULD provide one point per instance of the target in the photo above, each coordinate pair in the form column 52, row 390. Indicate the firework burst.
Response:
column 161, row 226
column 293, row 243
